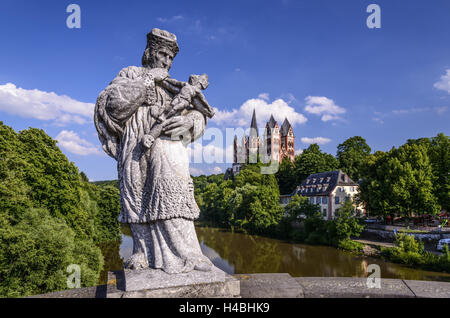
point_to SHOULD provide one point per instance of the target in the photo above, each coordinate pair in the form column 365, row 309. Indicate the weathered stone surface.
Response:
column 155, row 278
column 269, row 286
column 151, row 283
column 426, row 289
column 343, row 287
column 144, row 120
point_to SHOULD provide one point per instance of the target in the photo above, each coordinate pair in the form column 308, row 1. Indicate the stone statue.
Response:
column 188, row 94
column 144, row 120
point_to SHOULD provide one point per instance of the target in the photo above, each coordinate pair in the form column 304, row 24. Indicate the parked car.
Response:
column 441, row 244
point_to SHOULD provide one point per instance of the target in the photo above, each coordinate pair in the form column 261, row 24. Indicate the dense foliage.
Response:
column 400, row 182
column 303, row 222
column 411, row 252
column 311, row 160
column 249, row 202
column 352, row 155
column 50, row 215
column 438, row 150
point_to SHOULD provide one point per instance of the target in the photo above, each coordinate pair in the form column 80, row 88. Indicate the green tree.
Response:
column 106, row 220
column 399, row 182
column 439, row 154
column 352, row 155
column 346, row 224
column 313, row 160
column 249, row 202
column 299, row 206
column 35, row 252
column 286, row 177
column 48, row 207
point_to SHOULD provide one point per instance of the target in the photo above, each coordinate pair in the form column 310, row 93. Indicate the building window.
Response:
column 336, row 200
column 324, row 211
column 324, row 200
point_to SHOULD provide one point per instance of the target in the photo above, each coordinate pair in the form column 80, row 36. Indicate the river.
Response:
column 237, row 253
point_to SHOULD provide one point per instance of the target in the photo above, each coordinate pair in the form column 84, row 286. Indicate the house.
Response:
column 329, row 190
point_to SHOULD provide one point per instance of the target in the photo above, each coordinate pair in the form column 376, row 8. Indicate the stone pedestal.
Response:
column 151, row 283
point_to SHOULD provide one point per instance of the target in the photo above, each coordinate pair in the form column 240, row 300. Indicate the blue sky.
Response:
column 315, row 61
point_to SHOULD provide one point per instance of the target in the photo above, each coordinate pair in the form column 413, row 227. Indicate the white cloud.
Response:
column 211, row 153
column 171, row 19
column 264, row 96
column 379, row 117
column 444, row 83
column 217, row 170
column 60, row 109
column 378, row 120
column 410, row 111
column 320, row 105
column 298, row 152
column 441, row 110
column 195, row 171
column 71, row 142
column 315, row 140
column 279, row 108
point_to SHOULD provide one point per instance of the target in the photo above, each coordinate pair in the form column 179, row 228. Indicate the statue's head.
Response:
column 161, row 49
column 199, row 79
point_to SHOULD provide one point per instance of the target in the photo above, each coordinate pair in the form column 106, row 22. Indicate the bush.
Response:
column 50, row 216
column 347, row 225
column 411, row 252
column 35, row 252
column 350, row 245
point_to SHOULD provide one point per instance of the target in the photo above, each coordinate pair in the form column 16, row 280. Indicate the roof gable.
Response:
column 323, row 183
column 285, row 127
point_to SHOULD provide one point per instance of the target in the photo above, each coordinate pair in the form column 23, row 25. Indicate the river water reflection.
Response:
column 237, row 253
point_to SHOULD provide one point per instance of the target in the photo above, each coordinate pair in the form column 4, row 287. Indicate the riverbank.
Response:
column 407, row 250
column 386, row 233
column 283, row 285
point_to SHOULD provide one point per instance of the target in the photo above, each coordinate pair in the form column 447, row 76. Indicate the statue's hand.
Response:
column 178, row 126
column 158, row 74
column 148, row 141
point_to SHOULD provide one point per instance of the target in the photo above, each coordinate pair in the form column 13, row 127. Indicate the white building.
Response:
column 329, row 190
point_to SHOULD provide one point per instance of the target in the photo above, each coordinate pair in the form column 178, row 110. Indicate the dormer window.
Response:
column 321, row 180
column 314, row 180
column 307, row 181
column 328, row 179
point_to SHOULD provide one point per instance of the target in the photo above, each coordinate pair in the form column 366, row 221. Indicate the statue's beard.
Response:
column 156, row 64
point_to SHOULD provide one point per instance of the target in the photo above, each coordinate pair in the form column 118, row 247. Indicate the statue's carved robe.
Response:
column 157, row 193
column 155, row 184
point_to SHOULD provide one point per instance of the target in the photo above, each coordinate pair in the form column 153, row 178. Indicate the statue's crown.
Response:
column 162, row 34
column 157, row 38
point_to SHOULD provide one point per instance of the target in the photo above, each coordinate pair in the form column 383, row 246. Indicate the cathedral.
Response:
column 279, row 142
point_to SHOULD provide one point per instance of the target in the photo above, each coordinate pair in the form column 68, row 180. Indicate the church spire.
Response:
column 254, row 126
